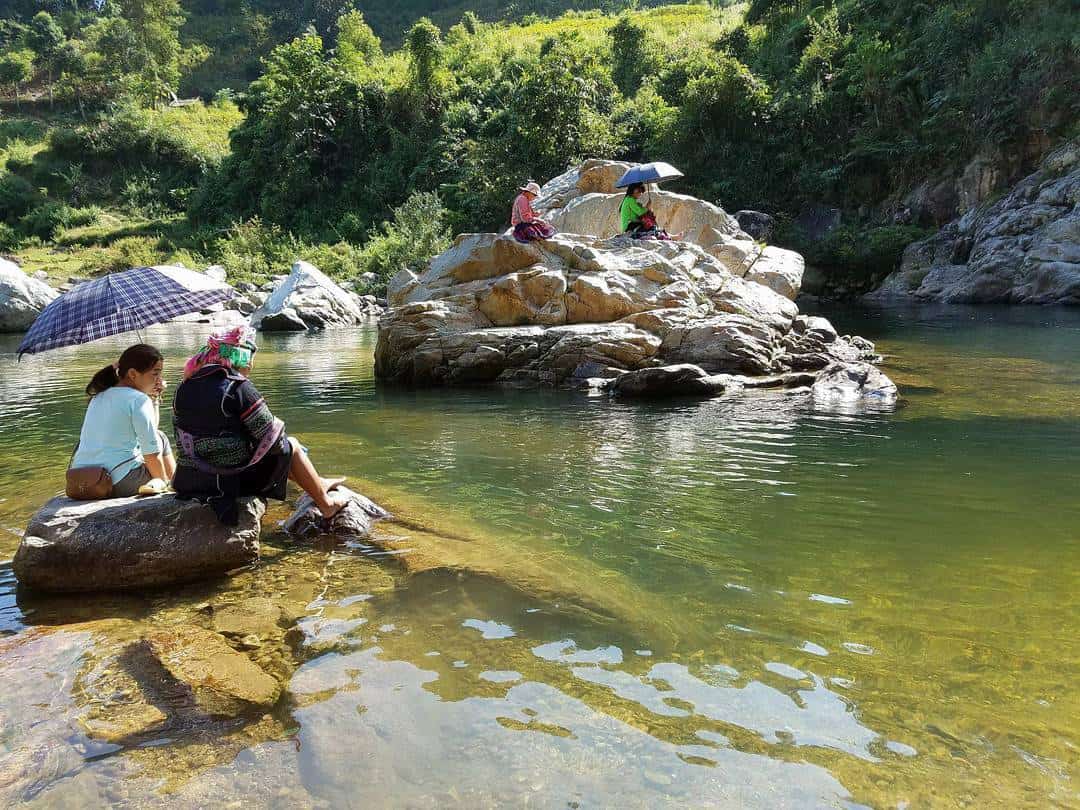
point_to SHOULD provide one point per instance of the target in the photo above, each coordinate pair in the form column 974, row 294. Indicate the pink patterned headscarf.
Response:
column 231, row 348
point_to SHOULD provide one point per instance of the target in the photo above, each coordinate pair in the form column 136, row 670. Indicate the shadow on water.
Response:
column 738, row 602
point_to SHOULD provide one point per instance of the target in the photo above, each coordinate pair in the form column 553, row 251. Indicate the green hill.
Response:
column 863, row 107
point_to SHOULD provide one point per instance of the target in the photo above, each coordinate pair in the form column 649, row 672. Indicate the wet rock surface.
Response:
column 354, row 521
column 132, row 543
column 222, row 681
column 853, row 382
column 680, row 380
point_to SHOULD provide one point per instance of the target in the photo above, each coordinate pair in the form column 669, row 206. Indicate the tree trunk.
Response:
column 16, row 86
column 50, row 89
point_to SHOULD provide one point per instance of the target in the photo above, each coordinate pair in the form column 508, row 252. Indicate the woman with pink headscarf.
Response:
column 528, row 227
column 230, row 444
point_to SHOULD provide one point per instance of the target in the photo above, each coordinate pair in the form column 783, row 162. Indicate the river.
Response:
column 741, row 602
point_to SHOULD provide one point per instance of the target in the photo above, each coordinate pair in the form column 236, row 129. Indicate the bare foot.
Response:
column 333, row 483
column 335, row 502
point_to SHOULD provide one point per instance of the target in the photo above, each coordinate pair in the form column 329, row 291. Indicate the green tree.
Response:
column 46, row 38
column 16, row 67
column 145, row 42
column 425, row 57
column 417, row 232
column 631, row 55
column 559, row 112
column 358, row 49
column 470, row 22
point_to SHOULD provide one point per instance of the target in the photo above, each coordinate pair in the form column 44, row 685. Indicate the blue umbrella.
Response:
column 122, row 302
column 648, row 173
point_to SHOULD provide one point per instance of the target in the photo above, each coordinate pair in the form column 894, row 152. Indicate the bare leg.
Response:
column 303, row 473
column 168, row 460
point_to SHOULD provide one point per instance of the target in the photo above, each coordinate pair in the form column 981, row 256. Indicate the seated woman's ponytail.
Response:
column 103, row 380
column 141, row 357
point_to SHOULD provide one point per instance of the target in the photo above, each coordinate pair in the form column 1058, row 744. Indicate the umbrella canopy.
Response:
column 121, row 302
column 648, row 173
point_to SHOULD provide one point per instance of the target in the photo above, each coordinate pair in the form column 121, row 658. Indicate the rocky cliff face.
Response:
column 592, row 304
column 1022, row 249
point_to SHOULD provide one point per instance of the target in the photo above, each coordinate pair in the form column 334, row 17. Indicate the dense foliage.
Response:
column 781, row 105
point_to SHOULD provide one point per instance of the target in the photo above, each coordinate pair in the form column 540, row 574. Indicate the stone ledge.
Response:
column 124, row 543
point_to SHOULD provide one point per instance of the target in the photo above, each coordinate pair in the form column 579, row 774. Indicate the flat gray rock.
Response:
column 125, row 543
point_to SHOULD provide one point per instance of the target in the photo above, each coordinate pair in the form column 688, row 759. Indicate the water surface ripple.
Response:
column 743, row 602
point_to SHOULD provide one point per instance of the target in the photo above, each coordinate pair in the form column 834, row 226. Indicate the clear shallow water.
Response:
column 740, row 602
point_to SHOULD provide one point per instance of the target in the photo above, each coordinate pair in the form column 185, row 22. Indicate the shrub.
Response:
column 254, row 250
column 17, row 197
column 144, row 194
column 10, row 239
column 45, row 220
column 131, row 251
column 417, row 232
column 20, row 155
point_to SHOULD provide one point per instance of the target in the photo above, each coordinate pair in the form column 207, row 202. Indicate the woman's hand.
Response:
column 159, row 389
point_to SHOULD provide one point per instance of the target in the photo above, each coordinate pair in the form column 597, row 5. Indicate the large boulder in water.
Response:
column 585, row 307
column 307, row 299
column 125, row 543
column 847, row 383
column 1022, row 249
column 21, row 297
column 597, row 304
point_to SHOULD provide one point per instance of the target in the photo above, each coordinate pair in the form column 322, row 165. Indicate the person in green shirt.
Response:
column 631, row 210
column 638, row 220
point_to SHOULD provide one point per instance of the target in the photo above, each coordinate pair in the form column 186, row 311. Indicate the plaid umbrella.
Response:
column 121, row 302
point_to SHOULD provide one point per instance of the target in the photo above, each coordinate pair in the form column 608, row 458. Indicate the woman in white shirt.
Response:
column 120, row 430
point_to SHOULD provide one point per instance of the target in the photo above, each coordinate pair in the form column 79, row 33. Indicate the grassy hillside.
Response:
column 364, row 155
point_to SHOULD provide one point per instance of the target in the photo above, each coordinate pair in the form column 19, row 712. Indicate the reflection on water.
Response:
column 739, row 602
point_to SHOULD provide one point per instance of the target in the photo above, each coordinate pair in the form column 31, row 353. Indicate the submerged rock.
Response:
column 576, row 307
column 307, row 299
column 22, row 298
column 1022, row 249
column 132, row 543
column 124, row 722
column 260, row 616
column 354, row 521
column 223, row 682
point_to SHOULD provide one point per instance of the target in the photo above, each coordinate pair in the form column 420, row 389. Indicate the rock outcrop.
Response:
column 585, row 201
column 580, row 307
column 307, row 299
column 132, row 543
column 21, row 297
column 1022, row 249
